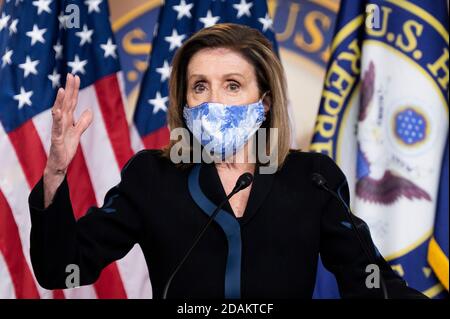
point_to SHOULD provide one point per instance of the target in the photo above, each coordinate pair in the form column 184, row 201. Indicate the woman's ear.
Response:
column 267, row 101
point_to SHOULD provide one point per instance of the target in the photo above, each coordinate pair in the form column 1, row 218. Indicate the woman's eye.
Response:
column 233, row 86
column 199, row 88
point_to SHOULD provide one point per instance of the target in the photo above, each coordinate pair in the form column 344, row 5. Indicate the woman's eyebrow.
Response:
column 201, row 76
column 233, row 74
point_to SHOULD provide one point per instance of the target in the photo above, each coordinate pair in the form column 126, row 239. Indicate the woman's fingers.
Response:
column 57, row 113
column 84, row 122
column 67, row 102
column 62, row 111
column 58, row 100
column 76, row 89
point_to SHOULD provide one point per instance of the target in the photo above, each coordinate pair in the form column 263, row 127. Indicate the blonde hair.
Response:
column 255, row 48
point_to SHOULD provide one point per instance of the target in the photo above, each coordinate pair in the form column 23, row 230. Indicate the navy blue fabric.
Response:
column 232, row 230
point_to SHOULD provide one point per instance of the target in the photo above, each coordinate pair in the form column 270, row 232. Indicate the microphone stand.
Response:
column 320, row 181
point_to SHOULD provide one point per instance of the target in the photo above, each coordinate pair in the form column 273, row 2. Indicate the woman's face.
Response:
column 223, row 76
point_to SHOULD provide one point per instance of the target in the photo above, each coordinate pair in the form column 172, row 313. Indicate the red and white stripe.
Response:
column 14, row 214
column 155, row 140
column 104, row 149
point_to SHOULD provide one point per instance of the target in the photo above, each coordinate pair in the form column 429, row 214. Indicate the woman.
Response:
column 266, row 240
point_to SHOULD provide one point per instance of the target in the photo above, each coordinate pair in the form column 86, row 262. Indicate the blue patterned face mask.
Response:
column 224, row 129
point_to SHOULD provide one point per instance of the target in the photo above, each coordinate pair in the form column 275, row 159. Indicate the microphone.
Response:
column 318, row 179
column 243, row 182
column 321, row 182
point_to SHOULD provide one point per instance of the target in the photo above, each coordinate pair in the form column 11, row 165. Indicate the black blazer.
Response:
column 287, row 223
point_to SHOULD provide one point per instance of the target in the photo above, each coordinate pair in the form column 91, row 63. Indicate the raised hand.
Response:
column 65, row 137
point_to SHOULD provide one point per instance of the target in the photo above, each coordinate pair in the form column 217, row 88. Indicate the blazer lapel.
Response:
column 212, row 186
column 262, row 184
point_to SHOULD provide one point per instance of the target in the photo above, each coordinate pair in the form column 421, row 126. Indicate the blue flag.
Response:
column 384, row 119
column 438, row 248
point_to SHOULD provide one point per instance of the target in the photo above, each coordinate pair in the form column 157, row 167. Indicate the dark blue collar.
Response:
column 230, row 227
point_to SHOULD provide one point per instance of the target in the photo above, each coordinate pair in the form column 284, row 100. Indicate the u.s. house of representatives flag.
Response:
column 384, row 119
column 178, row 20
column 41, row 41
column 438, row 248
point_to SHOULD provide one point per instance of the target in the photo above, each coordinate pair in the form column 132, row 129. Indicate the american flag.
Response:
column 178, row 20
column 40, row 42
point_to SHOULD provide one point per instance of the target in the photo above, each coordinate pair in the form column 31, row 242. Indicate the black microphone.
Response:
column 321, row 182
column 318, row 179
column 243, row 182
